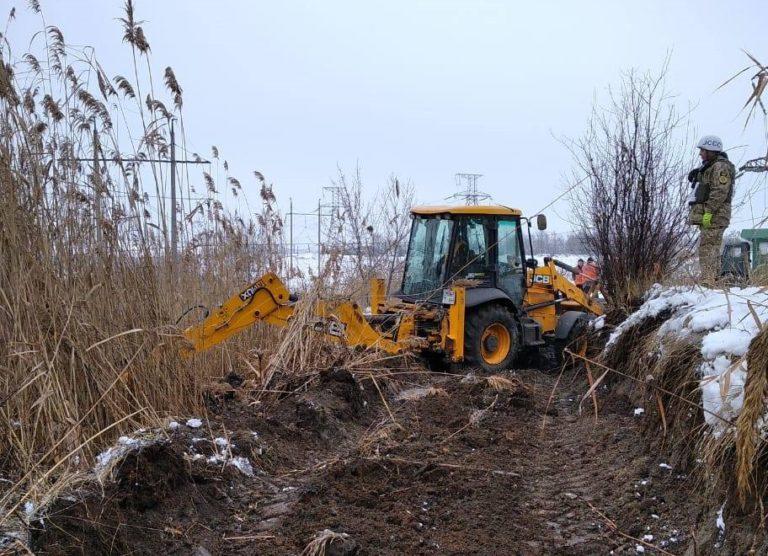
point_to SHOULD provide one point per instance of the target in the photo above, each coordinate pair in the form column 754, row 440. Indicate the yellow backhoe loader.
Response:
column 469, row 295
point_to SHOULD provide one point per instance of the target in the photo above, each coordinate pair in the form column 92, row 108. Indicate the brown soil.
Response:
column 464, row 469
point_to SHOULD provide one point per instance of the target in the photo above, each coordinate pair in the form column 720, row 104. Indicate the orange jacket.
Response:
column 590, row 272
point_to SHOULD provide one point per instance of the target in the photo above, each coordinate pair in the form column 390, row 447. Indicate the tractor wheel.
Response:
column 575, row 342
column 491, row 338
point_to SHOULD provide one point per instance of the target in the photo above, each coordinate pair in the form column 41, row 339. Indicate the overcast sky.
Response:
column 422, row 89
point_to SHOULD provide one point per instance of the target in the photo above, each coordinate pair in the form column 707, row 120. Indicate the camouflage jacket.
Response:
column 713, row 191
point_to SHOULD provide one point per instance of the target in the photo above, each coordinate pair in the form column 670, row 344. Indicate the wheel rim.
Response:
column 495, row 343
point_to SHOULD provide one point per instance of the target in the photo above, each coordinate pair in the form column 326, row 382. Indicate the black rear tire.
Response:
column 575, row 336
column 479, row 340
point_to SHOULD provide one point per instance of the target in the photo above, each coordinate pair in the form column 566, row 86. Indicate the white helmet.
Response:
column 710, row 143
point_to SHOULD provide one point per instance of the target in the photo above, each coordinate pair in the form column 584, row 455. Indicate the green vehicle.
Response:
column 743, row 256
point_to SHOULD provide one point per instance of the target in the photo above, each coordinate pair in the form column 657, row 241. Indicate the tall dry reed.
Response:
column 89, row 289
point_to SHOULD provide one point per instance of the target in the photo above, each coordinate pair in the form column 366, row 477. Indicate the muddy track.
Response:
column 465, row 469
column 530, row 478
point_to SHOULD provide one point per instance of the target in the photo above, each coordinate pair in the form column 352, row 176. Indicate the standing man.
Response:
column 591, row 273
column 577, row 270
column 710, row 202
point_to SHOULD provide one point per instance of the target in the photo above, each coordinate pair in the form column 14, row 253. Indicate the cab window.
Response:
column 427, row 253
column 470, row 258
column 510, row 275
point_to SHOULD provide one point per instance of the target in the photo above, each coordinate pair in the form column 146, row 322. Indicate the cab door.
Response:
column 510, row 271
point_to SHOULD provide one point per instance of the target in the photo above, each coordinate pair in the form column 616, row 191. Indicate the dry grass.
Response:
column 322, row 541
column 382, row 438
column 750, row 442
column 665, row 382
column 500, row 383
column 418, row 393
column 670, row 394
column 89, row 288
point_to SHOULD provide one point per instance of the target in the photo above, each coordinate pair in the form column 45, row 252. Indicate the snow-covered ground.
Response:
column 722, row 323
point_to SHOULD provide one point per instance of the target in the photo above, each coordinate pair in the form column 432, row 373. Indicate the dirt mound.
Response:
column 177, row 494
column 148, row 476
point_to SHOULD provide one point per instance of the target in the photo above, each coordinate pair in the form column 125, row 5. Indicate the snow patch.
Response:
column 598, row 323
column 639, row 411
column 722, row 323
column 29, row 510
column 194, row 423
column 242, row 464
column 720, row 522
column 125, row 444
column 224, row 456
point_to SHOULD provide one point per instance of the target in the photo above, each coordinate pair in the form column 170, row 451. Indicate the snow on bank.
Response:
column 723, row 323
column 125, row 445
column 142, row 438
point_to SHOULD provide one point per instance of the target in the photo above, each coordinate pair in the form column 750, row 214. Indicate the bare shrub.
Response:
column 369, row 235
column 631, row 207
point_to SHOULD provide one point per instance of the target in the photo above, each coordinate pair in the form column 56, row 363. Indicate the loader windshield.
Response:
column 427, row 255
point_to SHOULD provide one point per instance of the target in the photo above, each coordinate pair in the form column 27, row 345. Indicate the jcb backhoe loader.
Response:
column 469, row 295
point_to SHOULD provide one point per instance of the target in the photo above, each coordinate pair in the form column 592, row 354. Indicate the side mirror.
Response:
column 541, row 222
column 531, row 263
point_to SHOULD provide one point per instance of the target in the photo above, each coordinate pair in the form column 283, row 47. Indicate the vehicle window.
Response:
column 736, row 251
column 509, row 246
column 510, row 260
column 470, row 252
column 427, row 255
column 763, row 247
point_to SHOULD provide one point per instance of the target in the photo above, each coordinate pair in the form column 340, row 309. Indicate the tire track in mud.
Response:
column 584, row 466
column 563, row 462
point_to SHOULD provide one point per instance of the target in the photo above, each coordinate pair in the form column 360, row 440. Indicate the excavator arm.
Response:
column 550, row 294
column 268, row 300
column 571, row 292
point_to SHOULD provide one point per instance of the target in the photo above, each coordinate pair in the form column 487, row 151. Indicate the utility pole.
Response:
column 319, row 239
column 290, row 237
column 97, row 186
column 470, row 194
column 292, row 214
column 174, row 225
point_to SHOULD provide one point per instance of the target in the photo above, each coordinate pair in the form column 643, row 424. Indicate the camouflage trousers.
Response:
column 710, row 244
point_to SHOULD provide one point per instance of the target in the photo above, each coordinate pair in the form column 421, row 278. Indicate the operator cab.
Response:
column 480, row 244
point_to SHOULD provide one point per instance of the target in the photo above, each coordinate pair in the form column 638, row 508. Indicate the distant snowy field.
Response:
column 306, row 263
